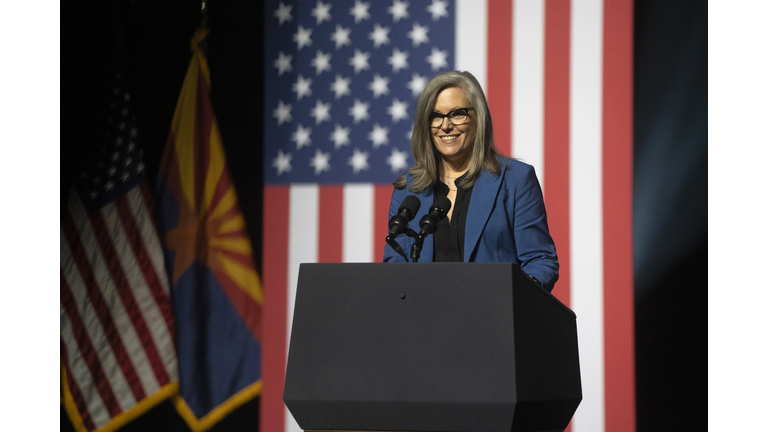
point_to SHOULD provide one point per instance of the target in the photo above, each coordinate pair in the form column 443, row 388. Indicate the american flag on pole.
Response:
column 117, row 328
column 341, row 83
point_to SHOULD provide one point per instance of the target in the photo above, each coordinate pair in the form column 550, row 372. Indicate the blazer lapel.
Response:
column 484, row 194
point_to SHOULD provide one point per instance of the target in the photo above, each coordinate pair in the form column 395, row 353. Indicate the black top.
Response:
column 449, row 237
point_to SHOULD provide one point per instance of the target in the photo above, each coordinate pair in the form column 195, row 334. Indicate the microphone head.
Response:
column 412, row 204
column 407, row 211
column 441, row 205
column 437, row 211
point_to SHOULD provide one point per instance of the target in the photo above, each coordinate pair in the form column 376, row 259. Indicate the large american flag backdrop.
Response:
column 341, row 82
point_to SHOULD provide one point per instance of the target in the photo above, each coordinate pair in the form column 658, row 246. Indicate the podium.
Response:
column 438, row 347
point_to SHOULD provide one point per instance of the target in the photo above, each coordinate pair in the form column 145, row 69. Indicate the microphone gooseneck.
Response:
column 428, row 224
column 399, row 222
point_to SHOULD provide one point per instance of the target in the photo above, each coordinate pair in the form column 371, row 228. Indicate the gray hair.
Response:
column 426, row 166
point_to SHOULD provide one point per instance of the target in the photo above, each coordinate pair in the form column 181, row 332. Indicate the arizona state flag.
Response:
column 215, row 290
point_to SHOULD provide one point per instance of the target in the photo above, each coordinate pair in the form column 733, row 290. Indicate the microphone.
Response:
column 428, row 224
column 407, row 211
column 437, row 212
column 399, row 222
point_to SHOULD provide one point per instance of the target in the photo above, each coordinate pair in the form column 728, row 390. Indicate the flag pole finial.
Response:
column 202, row 30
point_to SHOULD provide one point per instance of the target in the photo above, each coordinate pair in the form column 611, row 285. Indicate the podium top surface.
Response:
column 450, row 274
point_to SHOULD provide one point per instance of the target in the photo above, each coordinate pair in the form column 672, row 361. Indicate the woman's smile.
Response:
column 450, row 140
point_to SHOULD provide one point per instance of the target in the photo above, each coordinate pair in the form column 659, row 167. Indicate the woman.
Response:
column 497, row 210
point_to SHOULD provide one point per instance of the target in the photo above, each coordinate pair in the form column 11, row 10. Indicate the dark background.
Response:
column 670, row 162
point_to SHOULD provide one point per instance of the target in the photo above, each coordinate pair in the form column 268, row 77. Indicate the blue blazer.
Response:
column 506, row 222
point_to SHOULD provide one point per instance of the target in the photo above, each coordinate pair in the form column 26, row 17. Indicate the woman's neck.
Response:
column 454, row 170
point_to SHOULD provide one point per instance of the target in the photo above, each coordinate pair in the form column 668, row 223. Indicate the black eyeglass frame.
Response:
column 449, row 114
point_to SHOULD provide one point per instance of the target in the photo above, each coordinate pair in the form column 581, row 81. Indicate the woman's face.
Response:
column 453, row 141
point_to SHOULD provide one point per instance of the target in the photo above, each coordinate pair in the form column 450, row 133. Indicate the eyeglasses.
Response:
column 458, row 117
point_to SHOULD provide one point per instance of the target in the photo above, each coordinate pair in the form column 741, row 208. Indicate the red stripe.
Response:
column 330, row 224
column 557, row 41
column 74, row 389
column 275, row 269
column 98, row 303
column 166, row 309
column 557, row 29
column 381, row 199
column 87, row 350
column 499, row 86
column 126, row 294
column 149, row 204
column 617, row 217
column 245, row 260
column 153, row 284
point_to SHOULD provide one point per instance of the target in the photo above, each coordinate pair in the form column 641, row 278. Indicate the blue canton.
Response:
column 341, row 83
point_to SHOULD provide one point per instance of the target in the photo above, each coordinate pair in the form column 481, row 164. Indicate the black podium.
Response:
column 430, row 347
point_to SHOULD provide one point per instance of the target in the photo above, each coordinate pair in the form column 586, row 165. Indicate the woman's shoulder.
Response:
column 403, row 181
column 513, row 167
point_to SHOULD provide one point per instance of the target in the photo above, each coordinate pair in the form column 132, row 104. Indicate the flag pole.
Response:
column 204, row 14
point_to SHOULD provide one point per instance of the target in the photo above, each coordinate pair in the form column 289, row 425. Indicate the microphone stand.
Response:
column 428, row 225
column 416, row 248
column 391, row 241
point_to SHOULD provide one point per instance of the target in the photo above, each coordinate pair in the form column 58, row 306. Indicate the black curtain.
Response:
column 670, row 214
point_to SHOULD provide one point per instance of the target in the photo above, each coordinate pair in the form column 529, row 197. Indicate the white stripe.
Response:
column 80, row 373
column 138, row 288
column 155, row 320
column 77, row 366
column 357, row 231
column 302, row 236
column 528, row 84
column 109, row 364
column 302, row 248
column 146, row 227
column 586, row 206
column 472, row 39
